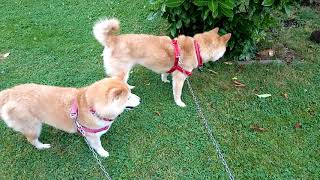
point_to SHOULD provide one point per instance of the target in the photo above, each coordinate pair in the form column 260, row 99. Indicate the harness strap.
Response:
column 176, row 66
column 199, row 57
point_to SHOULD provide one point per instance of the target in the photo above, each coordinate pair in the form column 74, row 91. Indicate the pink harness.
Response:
column 74, row 112
column 176, row 66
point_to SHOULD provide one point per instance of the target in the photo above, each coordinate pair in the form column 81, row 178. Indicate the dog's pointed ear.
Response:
column 120, row 76
column 215, row 30
column 225, row 38
column 116, row 93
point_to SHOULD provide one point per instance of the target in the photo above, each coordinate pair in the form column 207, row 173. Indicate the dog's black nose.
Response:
column 129, row 107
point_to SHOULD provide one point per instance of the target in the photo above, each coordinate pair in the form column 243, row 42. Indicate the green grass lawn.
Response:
column 51, row 43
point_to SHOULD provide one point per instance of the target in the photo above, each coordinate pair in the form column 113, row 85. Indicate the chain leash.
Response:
column 210, row 132
column 95, row 155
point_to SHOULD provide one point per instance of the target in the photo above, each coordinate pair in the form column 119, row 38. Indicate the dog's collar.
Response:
column 74, row 112
column 94, row 113
column 199, row 57
column 176, row 65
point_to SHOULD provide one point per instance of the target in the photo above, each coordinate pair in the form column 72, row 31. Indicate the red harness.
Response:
column 80, row 128
column 176, row 65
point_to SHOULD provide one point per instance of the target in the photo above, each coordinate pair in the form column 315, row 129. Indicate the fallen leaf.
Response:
column 285, row 95
column 158, row 113
column 237, row 83
column 212, row 71
column 298, row 125
column 6, row 55
column 234, row 78
column 3, row 56
column 255, row 127
column 228, row 63
column 263, row 95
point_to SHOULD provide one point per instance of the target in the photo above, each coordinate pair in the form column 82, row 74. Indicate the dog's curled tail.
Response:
column 104, row 29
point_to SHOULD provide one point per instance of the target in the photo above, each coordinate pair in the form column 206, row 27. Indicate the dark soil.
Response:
column 315, row 36
column 281, row 51
column 290, row 23
column 313, row 4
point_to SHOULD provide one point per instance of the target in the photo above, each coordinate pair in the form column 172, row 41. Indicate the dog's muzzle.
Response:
column 133, row 102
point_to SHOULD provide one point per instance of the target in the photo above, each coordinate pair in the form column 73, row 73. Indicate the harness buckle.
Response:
column 73, row 115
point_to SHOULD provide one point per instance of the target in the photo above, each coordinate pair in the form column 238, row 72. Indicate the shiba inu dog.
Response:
column 90, row 110
column 158, row 53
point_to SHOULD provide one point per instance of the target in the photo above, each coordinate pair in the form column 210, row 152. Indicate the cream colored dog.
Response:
column 122, row 52
column 26, row 107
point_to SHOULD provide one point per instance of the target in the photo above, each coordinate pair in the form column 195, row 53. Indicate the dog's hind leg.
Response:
column 125, row 70
column 114, row 68
column 21, row 120
column 33, row 134
column 126, row 78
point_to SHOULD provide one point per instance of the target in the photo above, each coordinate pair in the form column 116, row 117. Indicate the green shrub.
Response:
column 247, row 20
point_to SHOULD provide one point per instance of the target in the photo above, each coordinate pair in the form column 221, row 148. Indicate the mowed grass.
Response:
column 51, row 43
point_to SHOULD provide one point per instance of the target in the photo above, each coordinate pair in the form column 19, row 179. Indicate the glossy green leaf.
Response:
column 222, row 31
column 227, row 4
column 215, row 13
column 213, row 5
column 173, row 32
column 205, row 14
column 174, row 3
column 288, row 10
column 267, row 2
column 179, row 24
column 200, row 2
column 227, row 12
column 163, row 8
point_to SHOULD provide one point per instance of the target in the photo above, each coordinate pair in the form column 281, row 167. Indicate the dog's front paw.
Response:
column 131, row 87
column 43, row 146
column 103, row 153
column 180, row 103
column 164, row 78
column 165, row 81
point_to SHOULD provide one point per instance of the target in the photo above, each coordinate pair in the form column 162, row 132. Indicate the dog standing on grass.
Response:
column 158, row 53
column 26, row 107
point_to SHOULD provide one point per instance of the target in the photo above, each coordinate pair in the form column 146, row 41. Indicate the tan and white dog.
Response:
column 122, row 52
column 26, row 107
